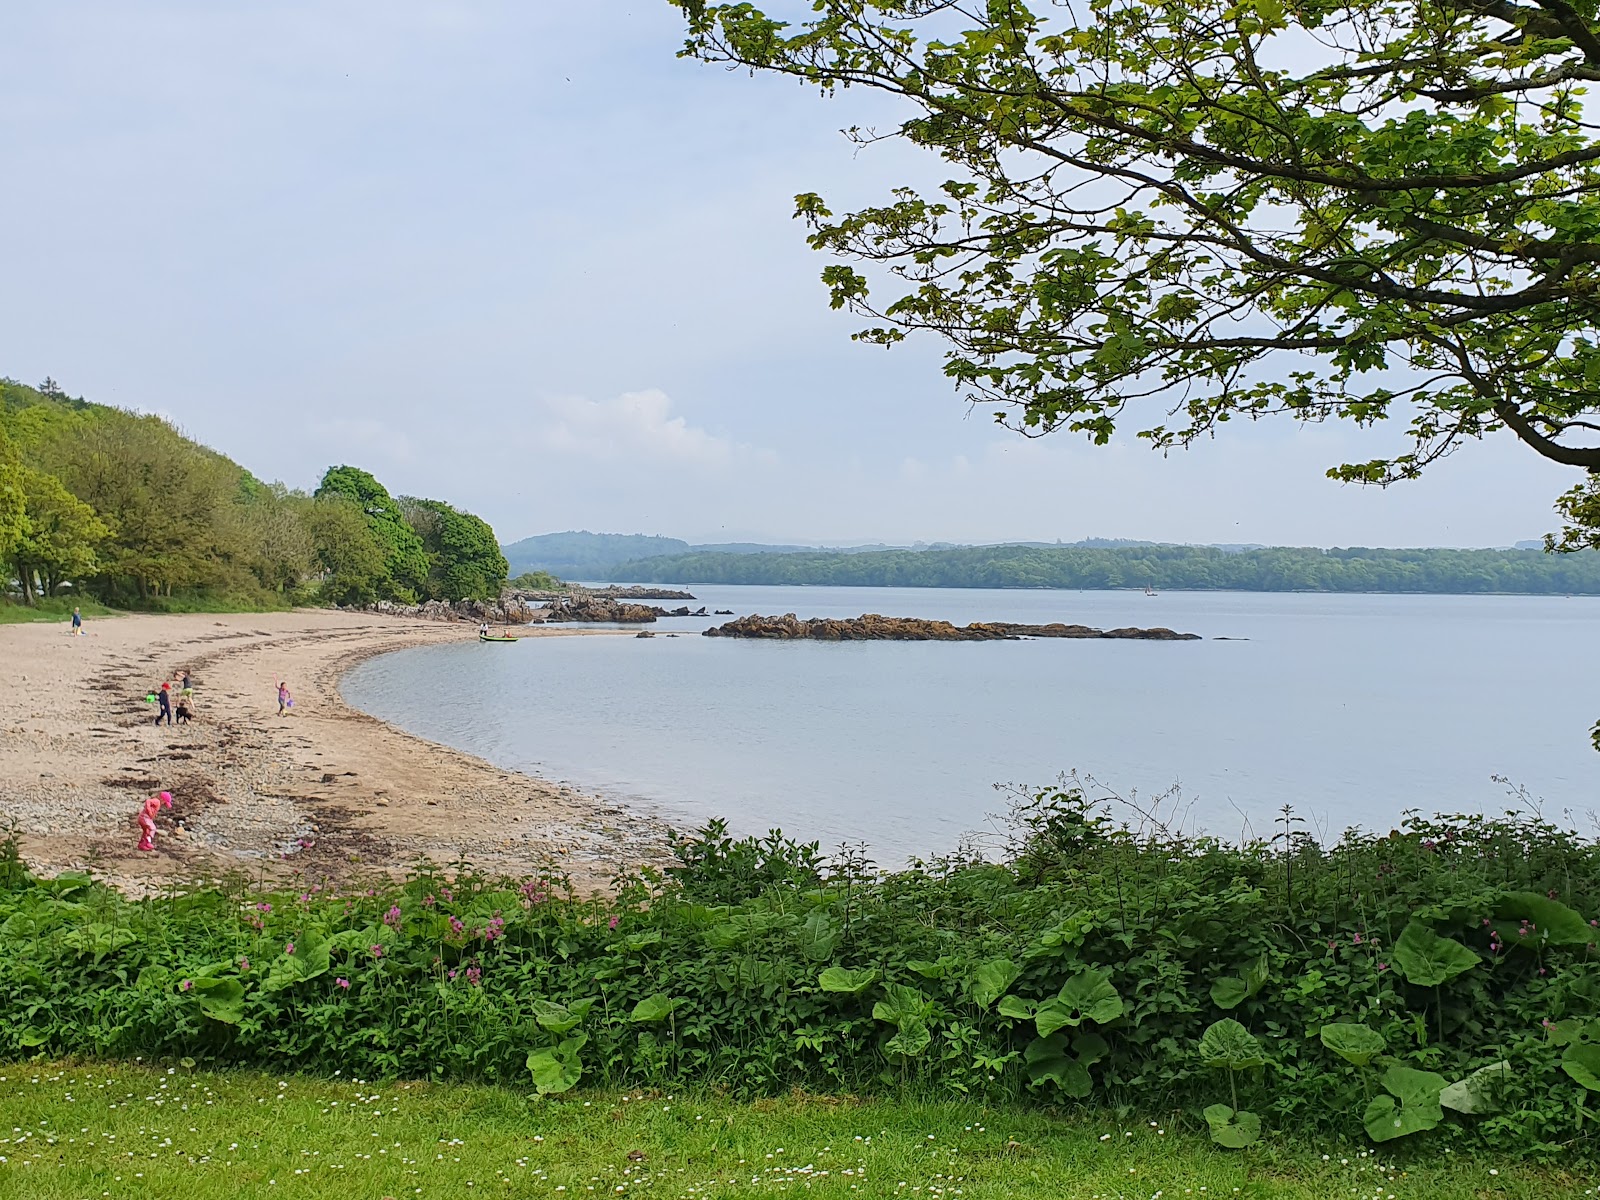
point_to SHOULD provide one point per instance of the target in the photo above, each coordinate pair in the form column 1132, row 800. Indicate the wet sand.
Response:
column 325, row 792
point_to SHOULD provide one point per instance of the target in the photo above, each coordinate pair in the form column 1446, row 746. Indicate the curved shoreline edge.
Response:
column 328, row 792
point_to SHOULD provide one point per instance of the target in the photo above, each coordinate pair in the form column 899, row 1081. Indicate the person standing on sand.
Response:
column 77, row 623
column 285, row 700
column 164, row 696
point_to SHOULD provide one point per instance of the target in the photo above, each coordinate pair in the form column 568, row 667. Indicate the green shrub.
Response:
column 1435, row 985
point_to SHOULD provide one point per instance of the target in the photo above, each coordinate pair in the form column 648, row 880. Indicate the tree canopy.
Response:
column 404, row 559
column 464, row 559
column 1171, row 214
column 123, row 507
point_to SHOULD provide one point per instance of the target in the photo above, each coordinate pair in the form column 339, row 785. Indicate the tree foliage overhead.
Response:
column 1173, row 213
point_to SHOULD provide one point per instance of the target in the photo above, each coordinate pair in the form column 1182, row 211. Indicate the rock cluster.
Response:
column 510, row 609
column 874, row 628
column 589, row 608
column 636, row 592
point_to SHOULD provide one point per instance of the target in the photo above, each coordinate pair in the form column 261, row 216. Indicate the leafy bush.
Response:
column 1437, row 984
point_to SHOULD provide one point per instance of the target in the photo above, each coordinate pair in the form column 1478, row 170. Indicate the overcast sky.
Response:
column 520, row 257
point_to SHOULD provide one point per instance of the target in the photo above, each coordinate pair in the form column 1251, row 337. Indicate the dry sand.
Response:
column 324, row 792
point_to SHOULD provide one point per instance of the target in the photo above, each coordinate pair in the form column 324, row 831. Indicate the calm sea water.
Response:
column 1350, row 708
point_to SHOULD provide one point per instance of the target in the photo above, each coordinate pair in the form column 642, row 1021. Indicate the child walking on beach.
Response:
column 285, row 700
column 164, row 698
column 146, row 819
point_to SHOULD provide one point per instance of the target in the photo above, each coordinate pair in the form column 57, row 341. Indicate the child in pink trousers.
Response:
column 147, row 819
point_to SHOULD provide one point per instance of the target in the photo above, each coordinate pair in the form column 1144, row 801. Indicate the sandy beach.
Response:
column 323, row 792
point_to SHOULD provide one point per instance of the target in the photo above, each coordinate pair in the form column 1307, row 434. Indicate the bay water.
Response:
column 1350, row 708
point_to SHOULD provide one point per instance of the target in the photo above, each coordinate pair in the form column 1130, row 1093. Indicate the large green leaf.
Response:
column 1048, row 1060
column 1231, row 991
column 1581, row 1060
column 847, row 981
column 1479, row 1092
column 1418, row 1109
column 1017, row 1008
column 1228, row 1044
column 1232, row 1129
column 912, row 1039
column 558, row 1018
column 658, row 1007
column 1427, row 960
column 98, row 939
column 1087, row 996
column 991, row 979
column 556, row 1069
column 309, row 960
column 819, row 935
column 220, row 999
column 1553, row 922
column 1354, row 1043
column 902, row 1006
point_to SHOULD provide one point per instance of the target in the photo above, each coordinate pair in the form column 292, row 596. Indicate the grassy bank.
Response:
column 1433, row 989
column 84, row 1130
column 55, row 609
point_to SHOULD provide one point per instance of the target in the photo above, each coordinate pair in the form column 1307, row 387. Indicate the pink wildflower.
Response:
column 342, row 982
column 186, row 985
column 612, row 924
column 474, row 976
column 376, row 949
column 428, row 901
column 244, row 964
column 288, row 948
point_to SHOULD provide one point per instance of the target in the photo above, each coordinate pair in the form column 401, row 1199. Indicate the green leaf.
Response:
column 556, row 1069
column 819, row 935
column 1017, row 1008
column 1230, row 991
column 1581, row 1061
column 1087, row 996
column 1090, row 1047
column 1048, row 1061
column 911, row 1041
column 1418, row 1109
column 991, row 979
column 1228, row 1044
column 847, row 981
column 1553, row 922
column 1479, row 1092
column 557, row 1018
column 221, row 999
column 1235, row 1130
column 1427, row 960
column 33, row 1037
column 1355, row 1044
column 903, row 1006
column 655, row 1008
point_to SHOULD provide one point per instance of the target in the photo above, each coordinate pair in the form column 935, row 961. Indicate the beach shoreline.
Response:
column 326, row 792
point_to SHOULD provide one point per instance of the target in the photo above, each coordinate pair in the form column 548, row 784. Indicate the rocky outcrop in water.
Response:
column 508, row 610
column 640, row 593
column 588, row 608
column 874, row 628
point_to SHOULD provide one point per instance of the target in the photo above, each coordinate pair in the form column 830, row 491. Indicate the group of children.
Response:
column 163, row 698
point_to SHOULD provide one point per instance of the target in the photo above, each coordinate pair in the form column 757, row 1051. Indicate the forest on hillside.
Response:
column 119, row 507
column 1273, row 569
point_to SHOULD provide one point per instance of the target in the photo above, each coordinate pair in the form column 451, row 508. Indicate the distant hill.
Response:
column 1271, row 569
column 579, row 554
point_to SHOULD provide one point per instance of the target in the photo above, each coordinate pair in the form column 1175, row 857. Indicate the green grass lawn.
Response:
column 58, row 609
column 96, row 1130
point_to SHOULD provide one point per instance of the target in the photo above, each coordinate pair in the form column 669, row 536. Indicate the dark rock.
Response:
column 592, row 609
column 640, row 593
column 872, row 627
column 722, row 612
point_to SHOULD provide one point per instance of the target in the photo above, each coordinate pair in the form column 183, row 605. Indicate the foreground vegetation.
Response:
column 86, row 1129
column 103, row 504
column 1274, row 569
column 1435, row 987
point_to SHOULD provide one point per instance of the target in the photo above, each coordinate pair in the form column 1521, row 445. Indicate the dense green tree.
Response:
column 61, row 540
column 351, row 559
column 405, row 576
column 13, row 503
column 464, row 559
column 1171, row 214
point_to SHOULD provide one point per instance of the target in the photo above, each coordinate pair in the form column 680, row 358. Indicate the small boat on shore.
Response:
column 489, row 637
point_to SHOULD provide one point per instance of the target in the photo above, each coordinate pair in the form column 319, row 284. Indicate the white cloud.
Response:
column 632, row 426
